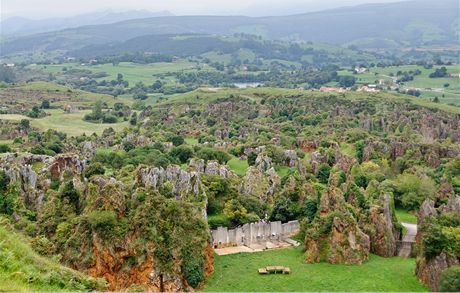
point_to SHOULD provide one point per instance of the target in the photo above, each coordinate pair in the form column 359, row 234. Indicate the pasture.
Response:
column 72, row 124
column 238, row 272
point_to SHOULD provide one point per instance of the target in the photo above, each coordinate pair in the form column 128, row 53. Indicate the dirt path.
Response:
column 409, row 238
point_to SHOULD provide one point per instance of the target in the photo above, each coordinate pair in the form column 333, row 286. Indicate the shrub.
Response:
column 182, row 153
column 450, row 280
column 216, row 221
column 4, row 148
column 210, row 154
column 94, row 169
column 109, row 118
column 103, row 222
column 282, row 210
column 193, row 267
column 323, row 173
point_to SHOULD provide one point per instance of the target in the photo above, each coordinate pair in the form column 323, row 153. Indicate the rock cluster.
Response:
column 429, row 269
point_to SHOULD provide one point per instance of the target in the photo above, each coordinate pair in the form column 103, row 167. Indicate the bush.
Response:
column 450, row 280
column 193, row 267
column 210, row 154
column 4, row 148
column 323, row 173
column 109, row 118
column 216, row 221
column 182, row 153
column 94, row 169
column 103, row 222
column 282, row 210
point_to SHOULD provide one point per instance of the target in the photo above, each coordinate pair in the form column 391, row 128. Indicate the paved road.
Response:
column 409, row 238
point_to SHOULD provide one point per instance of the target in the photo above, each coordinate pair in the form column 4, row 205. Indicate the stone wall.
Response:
column 254, row 233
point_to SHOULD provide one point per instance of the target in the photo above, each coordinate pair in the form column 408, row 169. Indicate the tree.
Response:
column 347, row 81
column 133, row 120
column 235, row 211
column 323, row 173
column 45, row 104
column 94, row 169
column 282, row 210
column 252, row 158
column 24, row 124
column 182, row 153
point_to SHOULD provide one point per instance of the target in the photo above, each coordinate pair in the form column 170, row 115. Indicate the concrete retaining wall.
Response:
column 254, row 233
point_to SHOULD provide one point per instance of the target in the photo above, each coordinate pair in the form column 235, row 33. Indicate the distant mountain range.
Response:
column 390, row 25
column 24, row 26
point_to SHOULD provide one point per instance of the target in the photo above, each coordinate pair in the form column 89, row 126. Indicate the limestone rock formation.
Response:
column 380, row 227
column 429, row 268
column 349, row 244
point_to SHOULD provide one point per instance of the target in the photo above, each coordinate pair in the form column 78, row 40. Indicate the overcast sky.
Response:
column 51, row 8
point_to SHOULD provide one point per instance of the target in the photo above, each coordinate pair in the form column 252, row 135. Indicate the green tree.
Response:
column 323, row 173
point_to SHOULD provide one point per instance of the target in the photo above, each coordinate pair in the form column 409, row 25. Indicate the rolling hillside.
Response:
column 392, row 25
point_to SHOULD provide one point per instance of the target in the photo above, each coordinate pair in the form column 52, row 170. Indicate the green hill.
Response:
column 23, row 270
column 403, row 24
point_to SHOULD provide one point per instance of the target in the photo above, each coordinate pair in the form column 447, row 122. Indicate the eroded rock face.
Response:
column 349, row 245
column 259, row 184
column 210, row 168
column 263, row 163
column 380, row 228
column 88, row 149
column 290, row 157
column 183, row 182
column 332, row 200
column 67, row 162
column 429, row 269
column 316, row 160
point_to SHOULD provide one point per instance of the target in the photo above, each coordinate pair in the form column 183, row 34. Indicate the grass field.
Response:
column 238, row 166
column 132, row 72
column 238, row 272
column 23, row 270
column 430, row 87
column 406, row 216
column 71, row 124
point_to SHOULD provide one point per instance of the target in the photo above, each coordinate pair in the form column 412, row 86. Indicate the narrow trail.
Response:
column 409, row 238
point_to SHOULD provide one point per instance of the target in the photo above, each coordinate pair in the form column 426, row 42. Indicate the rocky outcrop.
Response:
column 380, row 227
column 316, row 160
column 429, row 268
column 88, row 149
column 210, row 168
column 263, row 163
column 348, row 244
column 259, row 184
column 290, row 158
column 66, row 162
column 345, row 243
column 183, row 182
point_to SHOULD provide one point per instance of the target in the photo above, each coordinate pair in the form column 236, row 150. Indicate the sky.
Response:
column 38, row 9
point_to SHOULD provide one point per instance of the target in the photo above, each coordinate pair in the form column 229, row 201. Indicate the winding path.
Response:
column 408, row 240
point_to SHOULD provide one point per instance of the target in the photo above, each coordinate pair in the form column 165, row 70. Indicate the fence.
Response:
column 254, row 233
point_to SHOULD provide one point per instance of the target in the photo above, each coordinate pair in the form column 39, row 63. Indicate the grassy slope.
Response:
column 432, row 87
column 405, row 216
column 132, row 72
column 238, row 272
column 209, row 95
column 23, row 270
column 71, row 124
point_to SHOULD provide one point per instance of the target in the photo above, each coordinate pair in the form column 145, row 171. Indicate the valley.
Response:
column 155, row 152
